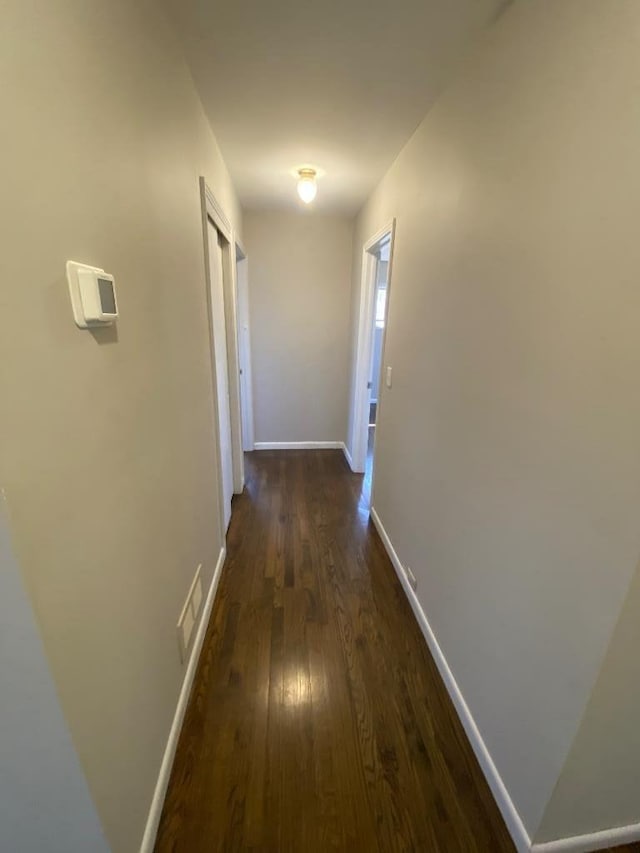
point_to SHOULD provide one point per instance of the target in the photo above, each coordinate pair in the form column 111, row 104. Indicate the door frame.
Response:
column 244, row 348
column 364, row 345
column 212, row 211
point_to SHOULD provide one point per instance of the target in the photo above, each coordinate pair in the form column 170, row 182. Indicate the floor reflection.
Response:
column 317, row 720
column 365, row 497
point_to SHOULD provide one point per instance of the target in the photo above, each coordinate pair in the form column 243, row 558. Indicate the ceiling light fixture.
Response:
column 307, row 187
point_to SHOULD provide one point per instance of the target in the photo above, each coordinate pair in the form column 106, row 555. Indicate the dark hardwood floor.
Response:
column 318, row 720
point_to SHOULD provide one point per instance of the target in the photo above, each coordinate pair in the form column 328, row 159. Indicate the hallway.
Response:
column 318, row 720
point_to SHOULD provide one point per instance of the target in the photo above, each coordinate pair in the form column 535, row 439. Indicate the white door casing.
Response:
column 219, row 335
column 364, row 346
column 244, row 347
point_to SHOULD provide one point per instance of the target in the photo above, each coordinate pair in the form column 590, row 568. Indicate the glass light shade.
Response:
column 307, row 188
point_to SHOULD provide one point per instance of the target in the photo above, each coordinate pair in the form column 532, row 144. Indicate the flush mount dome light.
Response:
column 307, row 187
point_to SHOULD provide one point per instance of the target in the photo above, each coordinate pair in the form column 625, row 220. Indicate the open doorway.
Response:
column 374, row 307
column 375, row 371
column 244, row 349
column 221, row 370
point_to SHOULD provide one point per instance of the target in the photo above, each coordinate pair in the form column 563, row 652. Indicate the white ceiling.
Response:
column 337, row 84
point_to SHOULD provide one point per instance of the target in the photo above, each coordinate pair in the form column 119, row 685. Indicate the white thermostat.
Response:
column 93, row 295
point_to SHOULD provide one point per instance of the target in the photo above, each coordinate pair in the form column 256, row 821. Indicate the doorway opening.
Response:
column 244, row 349
column 222, row 303
column 368, row 387
column 375, row 372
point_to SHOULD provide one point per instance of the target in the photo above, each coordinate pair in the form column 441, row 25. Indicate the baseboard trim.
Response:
column 298, row 445
column 575, row 844
column 509, row 812
column 347, row 456
column 153, row 820
column 306, row 445
column 593, row 841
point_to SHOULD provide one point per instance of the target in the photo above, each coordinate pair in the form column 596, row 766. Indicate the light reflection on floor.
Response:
column 365, row 497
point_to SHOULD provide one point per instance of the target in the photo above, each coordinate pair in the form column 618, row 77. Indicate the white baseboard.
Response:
column 347, row 456
column 153, row 819
column 306, row 445
column 509, row 812
column 575, row 844
column 298, row 445
column 593, row 841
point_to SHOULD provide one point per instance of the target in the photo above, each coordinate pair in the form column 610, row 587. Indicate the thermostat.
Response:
column 93, row 295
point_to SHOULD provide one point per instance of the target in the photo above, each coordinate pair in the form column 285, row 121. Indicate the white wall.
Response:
column 299, row 293
column 600, row 780
column 508, row 473
column 44, row 801
column 108, row 439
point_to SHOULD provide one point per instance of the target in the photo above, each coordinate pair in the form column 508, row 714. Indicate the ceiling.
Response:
column 337, row 84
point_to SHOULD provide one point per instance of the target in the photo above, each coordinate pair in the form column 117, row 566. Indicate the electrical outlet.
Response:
column 189, row 615
column 413, row 581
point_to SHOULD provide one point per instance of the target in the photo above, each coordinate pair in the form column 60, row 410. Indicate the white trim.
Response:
column 241, row 252
column 244, row 348
column 212, row 211
column 593, row 841
column 363, row 360
column 206, row 200
column 216, row 212
column 501, row 795
column 299, row 445
column 157, row 802
column 575, row 844
column 233, row 363
column 364, row 344
column 347, row 456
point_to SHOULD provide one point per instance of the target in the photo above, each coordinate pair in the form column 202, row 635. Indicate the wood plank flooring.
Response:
column 318, row 720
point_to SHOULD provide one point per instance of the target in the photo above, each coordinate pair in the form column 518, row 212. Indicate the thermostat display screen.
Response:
column 107, row 296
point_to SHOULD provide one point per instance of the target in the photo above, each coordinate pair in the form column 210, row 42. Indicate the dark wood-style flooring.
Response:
column 318, row 720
